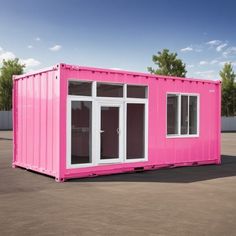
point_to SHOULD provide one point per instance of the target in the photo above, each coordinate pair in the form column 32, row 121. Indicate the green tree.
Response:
column 228, row 105
column 8, row 69
column 168, row 64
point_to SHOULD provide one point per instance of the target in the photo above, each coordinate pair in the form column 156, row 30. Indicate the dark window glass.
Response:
column 80, row 88
column 81, row 132
column 134, row 91
column 109, row 132
column 172, row 114
column 109, row 90
column 184, row 114
column 135, row 131
column 193, row 115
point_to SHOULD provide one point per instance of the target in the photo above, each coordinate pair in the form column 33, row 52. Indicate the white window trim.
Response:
column 179, row 135
column 96, row 104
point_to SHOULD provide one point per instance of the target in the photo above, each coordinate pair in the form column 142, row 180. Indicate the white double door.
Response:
column 109, row 131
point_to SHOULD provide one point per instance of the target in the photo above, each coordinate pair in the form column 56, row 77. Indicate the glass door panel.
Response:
column 109, row 132
column 81, row 135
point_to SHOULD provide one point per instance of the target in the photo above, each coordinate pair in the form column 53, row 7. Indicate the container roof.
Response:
column 113, row 71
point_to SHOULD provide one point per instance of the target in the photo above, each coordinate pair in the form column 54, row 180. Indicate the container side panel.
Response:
column 36, row 128
column 63, row 122
column 188, row 149
column 29, row 122
column 162, row 150
column 17, row 121
column 24, row 122
column 14, row 119
column 49, row 121
column 37, row 148
column 55, row 123
column 43, row 120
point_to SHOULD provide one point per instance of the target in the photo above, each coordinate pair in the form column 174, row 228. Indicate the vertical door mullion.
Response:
column 188, row 117
column 68, row 159
column 121, row 133
column 94, row 133
column 99, row 133
column 125, row 132
column 179, row 114
column 146, row 130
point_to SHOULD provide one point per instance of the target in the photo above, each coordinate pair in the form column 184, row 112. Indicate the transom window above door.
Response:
column 80, row 88
column 109, row 90
column 102, row 89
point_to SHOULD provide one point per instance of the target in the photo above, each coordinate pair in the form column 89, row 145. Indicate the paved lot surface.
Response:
column 182, row 201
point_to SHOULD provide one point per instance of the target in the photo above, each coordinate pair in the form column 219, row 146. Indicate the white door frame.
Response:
column 101, row 104
column 97, row 102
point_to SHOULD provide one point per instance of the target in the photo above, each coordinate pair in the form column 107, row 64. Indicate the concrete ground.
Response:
column 182, row 201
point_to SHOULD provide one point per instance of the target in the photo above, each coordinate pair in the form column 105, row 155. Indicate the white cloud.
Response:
column 55, row 48
column 37, row 39
column 192, row 48
column 208, row 74
column 187, row 49
column 30, row 62
column 214, row 42
column 190, row 66
column 213, row 62
column 229, row 51
column 221, row 46
column 29, row 46
column 6, row 55
column 222, row 63
column 203, row 63
column 198, row 50
column 204, row 72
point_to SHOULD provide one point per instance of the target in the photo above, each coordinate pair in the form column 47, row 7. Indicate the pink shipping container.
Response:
column 73, row 121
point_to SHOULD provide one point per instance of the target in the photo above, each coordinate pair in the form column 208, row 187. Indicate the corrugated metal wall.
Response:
column 5, row 120
column 36, row 122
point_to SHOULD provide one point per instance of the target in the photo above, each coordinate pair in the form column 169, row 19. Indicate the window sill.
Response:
column 182, row 136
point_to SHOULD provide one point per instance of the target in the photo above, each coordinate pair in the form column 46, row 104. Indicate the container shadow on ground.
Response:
column 175, row 175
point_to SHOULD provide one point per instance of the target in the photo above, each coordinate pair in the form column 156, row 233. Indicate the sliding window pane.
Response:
column 135, row 131
column 193, row 115
column 109, row 90
column 172, row 114
column 80, row 88
column 184, row 114
column 81, row 132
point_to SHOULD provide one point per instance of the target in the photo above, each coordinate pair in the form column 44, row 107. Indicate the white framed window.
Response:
column 182, row 111
column 106, row 123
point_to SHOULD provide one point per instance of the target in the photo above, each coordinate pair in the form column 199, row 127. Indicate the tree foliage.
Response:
column 228, row 106
column 8, row 69
column 168, row 64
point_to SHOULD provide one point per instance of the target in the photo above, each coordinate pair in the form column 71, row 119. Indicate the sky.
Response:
column 122, row 34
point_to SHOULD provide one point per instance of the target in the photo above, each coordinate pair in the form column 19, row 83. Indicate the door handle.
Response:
column 118, row 131
column 102, row 131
